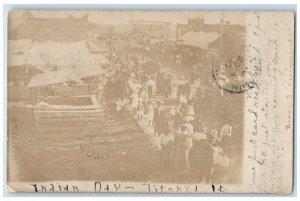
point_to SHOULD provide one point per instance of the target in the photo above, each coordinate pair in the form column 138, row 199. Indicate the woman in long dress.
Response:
column 179, row 154
column 134, row 101
column 140, row 110
column 201, row 160
column 150, row 115
column 172, row 114
column 174, row 88
column 188, row 132
column 120, row 104
column 193, row 89
column 221, row 163
column 168, row 148
column 143, row 94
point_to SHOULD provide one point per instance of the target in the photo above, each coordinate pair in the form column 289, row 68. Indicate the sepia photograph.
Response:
column 136, row 100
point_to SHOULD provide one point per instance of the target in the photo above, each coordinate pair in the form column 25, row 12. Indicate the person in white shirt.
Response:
column 172, row 114
column 134, row 101
column 188, row 132
column 151, row 87
column 140, row 111
column 150, row 115
column 189, row 112
column 193, row 89
column 174, row 88
column 120, row 105
column 221, row 163
column 182, row 99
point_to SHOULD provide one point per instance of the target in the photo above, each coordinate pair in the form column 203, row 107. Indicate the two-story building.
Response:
column 156, row 29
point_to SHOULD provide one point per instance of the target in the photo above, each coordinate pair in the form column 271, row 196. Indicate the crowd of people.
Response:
column 171, row 104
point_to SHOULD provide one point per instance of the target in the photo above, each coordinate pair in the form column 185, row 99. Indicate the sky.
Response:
column 123, row 16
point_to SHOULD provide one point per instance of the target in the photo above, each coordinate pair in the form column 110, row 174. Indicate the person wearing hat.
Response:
column 188, row 132
column 150, row 114
column 221, row 163
column 168, row 149
column 182, row 99
column 157, row 118
column 194, row 88
column 151, row 85
column 180, row 164
column 173, row 88
column 172, row 114
column 100, row 91
column 140, row 110
column 178, row 118
column 188, row 112
column 215, row 138
column 201, row 159
column 120, row 104
column 134, row 101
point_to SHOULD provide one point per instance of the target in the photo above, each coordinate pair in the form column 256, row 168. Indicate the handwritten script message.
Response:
column 269, row 105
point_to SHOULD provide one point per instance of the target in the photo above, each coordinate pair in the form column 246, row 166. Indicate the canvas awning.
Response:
column 24, row 60
column 66, row 54
column 65, row 75
column 18, row 46
column 198, row 39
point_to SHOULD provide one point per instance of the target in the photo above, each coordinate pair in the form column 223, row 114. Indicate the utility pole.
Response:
column 222, row 32
column 221, row 49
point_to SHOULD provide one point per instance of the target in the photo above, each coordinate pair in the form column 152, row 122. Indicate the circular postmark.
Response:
column 232, row 76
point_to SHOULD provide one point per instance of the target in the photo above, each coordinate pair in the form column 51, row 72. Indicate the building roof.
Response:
column 198, row 39
column 18, row 46
column 51, row 47
column 66, row 54
column 149, row 22
column 50, row 54
column 65, row 75
column 25, row 60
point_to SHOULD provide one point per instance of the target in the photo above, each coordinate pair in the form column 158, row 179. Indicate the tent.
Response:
column 198, row 39
column 65, row 54
column 18, row 46
column 21, row 63
column 65, row 75
column 24, row 60
column 51, row 47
